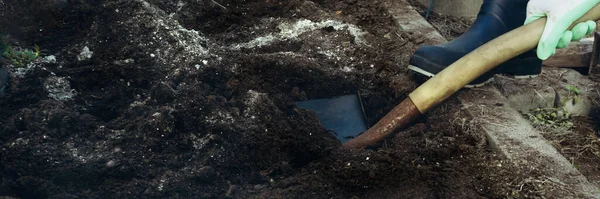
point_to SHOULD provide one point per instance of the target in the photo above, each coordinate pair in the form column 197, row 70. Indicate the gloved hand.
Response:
column 561, row 14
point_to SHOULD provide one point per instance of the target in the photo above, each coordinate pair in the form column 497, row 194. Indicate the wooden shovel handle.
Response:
column 456, row 76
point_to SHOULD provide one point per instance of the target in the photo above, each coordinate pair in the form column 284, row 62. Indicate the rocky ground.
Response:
column 195, row 99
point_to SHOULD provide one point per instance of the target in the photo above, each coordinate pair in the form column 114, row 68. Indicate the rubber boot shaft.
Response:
column 495, row 18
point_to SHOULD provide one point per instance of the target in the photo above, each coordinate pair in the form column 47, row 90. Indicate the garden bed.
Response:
column 195, row 99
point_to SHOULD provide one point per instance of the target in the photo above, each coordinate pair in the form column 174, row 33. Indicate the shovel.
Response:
column 448, row 81
column 344, row 116
column 456, row 76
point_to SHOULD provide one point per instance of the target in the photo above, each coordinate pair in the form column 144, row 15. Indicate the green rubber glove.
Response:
column 561, row 14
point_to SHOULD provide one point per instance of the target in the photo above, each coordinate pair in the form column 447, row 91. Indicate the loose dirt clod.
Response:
column 58, row 88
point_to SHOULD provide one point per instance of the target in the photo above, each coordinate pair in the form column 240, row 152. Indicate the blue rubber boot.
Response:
column 495, row 18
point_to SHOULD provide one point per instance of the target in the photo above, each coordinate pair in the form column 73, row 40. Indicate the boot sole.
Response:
column 428, row 74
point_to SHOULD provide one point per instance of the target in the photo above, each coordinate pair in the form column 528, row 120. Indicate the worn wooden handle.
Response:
column 481, row 60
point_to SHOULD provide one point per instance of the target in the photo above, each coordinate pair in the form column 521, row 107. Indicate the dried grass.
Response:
column 448, row 26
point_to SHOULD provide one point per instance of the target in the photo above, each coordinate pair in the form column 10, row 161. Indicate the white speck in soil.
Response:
column 49, row 59
column 161, row 185
column 220, row 117
column 111, row 163
column 292, row 31
column 85, row 54
column 58, row 88
column 346, row 69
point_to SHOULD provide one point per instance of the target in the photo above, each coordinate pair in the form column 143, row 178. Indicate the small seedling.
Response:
column 573, row 93
column 573, row 89
column 20, row 58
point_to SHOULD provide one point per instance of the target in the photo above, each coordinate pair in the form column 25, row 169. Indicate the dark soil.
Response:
column 181, row 100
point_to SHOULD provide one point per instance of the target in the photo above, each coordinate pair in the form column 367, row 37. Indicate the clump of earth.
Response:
column 195, row 99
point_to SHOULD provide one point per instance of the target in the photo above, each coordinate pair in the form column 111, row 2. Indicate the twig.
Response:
column 540, row 95
column 219, row 4
column 561, row 74
column 556, row 98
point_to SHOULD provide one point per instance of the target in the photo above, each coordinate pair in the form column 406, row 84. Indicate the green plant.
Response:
column 573, row 93
column 557, row 116
column 21, row 58
column 550, row 117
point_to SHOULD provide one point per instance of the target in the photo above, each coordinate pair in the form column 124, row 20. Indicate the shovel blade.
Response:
column 343, row 115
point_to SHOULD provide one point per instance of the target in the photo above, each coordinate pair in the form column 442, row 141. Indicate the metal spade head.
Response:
column 343, row 115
